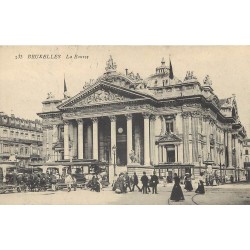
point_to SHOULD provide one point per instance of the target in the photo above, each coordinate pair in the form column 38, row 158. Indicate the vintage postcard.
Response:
column 116, row 125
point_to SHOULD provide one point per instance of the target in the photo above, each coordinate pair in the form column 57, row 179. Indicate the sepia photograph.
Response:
column 124, row 125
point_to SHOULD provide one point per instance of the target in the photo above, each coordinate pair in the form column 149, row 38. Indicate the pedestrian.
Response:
column 231, row 179
column 177, row 193
column 127, row 182
column 135, row 182
column 154, row 182
column 164, row 181
column 144, row 180
column 188, row 182
column 200, row 189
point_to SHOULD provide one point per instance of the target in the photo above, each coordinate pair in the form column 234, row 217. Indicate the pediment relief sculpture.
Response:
column 101, row 96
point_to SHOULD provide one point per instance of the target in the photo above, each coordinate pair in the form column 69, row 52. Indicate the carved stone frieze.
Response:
column 101, row 96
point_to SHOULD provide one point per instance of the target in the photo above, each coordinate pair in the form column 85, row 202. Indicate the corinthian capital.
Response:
column 66, row 122
column 79, row 121
column 128, row 116
column 146, row 115
column 94, row 119
column 185, row 115
column 112, row 118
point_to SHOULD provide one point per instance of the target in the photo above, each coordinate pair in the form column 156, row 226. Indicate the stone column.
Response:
column 112, row 144
column 164, row 153
column 215, row 144
column 180, row 153
column 146, row 140
column 176, row 153
column 229, row 144
column 66, row 140
column 129, row 137
column 95, row 138
column 80, row 138
column 195, row 136
column 152, row 139
column 190, row 139
column 207, row 138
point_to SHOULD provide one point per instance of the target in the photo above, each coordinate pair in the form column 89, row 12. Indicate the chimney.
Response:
column 126, row 71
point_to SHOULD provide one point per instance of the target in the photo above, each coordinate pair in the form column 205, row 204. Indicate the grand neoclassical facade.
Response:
column 159, row 122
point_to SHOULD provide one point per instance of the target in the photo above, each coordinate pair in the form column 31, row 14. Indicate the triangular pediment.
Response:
column 169, row 137
column 101, row 94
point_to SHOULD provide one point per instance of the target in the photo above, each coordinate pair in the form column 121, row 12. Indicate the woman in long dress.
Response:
column 177, row 193
column 188, row 183
column 200, row 189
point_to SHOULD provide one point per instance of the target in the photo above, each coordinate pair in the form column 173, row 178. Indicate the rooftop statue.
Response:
column 50, row 96
column 207, row 80
column 190, row 76
column 110, row 64
column 89, row 83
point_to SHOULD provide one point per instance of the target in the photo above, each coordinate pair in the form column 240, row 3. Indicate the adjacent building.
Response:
column 137, row 124
column 246, row 157
column 20, row 139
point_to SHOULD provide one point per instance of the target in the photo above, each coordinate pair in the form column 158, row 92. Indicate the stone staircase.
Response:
column 139, row 171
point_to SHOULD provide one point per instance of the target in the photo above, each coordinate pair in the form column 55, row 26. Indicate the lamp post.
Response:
column 238, row 173
column 220, row 151
column 114, row 155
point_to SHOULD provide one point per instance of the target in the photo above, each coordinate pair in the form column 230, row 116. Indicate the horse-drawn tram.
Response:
column 75, row 174
column 52, row 176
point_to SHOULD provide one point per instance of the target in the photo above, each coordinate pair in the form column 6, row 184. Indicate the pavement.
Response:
column 228, row 194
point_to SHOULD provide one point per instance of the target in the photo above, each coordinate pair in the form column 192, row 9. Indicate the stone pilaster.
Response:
column 112, row 144
column 229, row 145
column 129, row 137
column 185, row 129
column 146, row 139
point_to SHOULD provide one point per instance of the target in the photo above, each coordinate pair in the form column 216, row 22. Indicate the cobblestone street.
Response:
column 229, row 194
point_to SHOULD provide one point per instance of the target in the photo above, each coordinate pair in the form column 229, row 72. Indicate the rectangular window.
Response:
column 6, row 148
column 169, row 126
column 26, row 151
column 246, row 152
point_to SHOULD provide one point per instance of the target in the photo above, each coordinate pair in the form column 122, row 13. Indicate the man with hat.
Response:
column 154, row 182
column 144, row 180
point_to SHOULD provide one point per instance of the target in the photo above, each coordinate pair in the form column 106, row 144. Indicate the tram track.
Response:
column 192, row 199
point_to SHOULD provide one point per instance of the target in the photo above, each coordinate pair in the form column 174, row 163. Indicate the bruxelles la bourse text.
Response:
column 51, row 56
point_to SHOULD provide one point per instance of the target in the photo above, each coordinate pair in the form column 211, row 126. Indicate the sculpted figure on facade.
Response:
column 133, row 157
column 190, row 76
column 207, row 80
column 50, row 96
column 101, row 96
column 110, row 64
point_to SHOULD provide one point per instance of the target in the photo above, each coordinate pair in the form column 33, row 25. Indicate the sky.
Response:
column 25, row 82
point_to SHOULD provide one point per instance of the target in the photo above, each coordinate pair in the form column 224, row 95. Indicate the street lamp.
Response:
column 114, row 155
column 238, row 173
